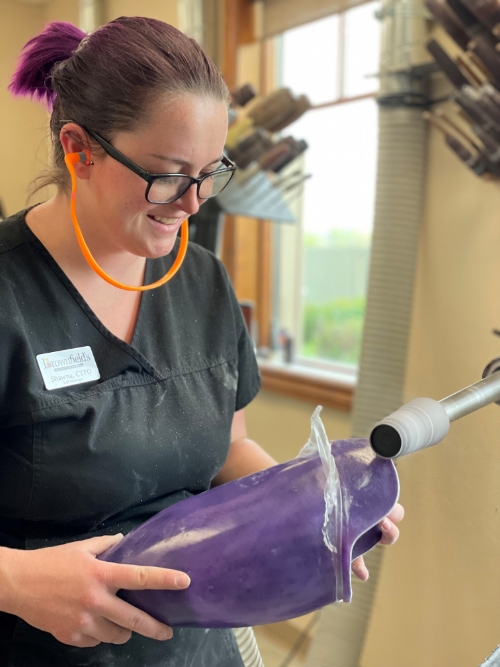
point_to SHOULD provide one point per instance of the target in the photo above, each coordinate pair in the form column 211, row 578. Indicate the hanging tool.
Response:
column 424, row 422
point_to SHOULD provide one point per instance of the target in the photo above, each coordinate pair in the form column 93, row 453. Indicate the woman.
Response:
column 171, row 369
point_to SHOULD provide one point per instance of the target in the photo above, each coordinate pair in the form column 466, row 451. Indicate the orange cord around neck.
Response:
column 71, row 159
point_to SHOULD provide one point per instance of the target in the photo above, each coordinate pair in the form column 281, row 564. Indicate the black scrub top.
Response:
column 102, row 457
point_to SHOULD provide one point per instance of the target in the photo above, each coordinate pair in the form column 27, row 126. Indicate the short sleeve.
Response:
column 249, row 380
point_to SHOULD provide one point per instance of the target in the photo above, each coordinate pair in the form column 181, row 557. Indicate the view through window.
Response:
column 332, row 59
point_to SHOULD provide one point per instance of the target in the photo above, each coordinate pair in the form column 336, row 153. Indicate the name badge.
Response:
column 67, row 367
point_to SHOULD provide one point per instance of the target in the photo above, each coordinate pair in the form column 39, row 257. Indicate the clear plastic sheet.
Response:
column 318, row 444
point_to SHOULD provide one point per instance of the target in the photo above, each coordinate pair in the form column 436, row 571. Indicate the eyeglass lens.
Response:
column 169, row 188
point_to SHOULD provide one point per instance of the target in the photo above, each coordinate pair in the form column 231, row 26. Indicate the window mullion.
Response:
column 341, row 56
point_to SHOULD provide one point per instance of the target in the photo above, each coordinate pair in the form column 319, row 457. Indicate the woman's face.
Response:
column 186, row 135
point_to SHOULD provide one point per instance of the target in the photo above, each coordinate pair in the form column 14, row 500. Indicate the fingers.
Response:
column 138, row 577
column 128, row 617
column 77, row 639
column 397, row 513
column 103, row 630
column 98, row 545
column 359, row 568
column 390, row 532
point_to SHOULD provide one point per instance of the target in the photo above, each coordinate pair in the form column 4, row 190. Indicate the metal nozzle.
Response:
column 424, row 422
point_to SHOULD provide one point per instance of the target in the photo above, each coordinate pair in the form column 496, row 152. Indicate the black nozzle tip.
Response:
column 385, row 441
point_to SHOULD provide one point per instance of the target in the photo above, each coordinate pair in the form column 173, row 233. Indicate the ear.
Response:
column 74, row 140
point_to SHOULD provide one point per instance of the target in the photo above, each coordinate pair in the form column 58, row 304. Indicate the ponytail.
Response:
column 39, row 56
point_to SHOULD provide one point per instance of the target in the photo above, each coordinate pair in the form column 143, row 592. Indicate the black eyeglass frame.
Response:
column 151, row 178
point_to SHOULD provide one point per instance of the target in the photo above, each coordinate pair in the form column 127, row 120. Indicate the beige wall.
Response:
column 61, row 10
column 282, row 425
column 22, row 145
column 438, row 604
column 165, row 10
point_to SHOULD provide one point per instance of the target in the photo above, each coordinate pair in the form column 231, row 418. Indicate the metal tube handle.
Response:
column 472, row 398
column 424, row 422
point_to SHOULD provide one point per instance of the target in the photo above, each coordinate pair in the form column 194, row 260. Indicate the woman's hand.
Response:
column 66, row 591
column 390, row 534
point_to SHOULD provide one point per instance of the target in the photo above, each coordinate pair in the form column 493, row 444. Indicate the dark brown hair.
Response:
column 109, row 80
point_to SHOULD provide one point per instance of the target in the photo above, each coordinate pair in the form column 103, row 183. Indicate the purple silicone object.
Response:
column 254, row 547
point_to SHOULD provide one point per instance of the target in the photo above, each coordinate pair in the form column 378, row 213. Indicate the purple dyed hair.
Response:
column 39, row 56
column 108, row 81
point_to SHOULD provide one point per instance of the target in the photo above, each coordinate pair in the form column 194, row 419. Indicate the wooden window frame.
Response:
column 308, row 384
column 294, row 380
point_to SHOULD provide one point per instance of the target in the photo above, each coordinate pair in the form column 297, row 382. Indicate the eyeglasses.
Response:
column 166, row 188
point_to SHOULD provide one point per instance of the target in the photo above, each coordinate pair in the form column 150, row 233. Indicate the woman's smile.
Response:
column 166, row 225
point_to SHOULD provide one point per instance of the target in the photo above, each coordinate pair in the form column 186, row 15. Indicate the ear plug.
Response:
column 73, row 158
column 85, row 158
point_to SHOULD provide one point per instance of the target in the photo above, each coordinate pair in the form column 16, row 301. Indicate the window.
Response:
column 321, row 263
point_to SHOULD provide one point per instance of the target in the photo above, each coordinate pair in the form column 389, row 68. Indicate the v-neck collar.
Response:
column 129, row 348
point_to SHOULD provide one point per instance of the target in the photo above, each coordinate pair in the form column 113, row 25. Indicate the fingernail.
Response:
column 168, row 634
column 182, row 581
column 386, row 524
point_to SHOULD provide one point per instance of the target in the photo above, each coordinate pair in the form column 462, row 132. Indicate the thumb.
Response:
column 98, row 545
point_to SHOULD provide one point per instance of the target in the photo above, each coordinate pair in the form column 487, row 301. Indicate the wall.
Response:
column 438, row 604
column 282, row 425
column 61, row 10
column 164, row 10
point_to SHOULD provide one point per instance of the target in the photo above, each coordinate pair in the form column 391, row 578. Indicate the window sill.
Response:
column 327, row 388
